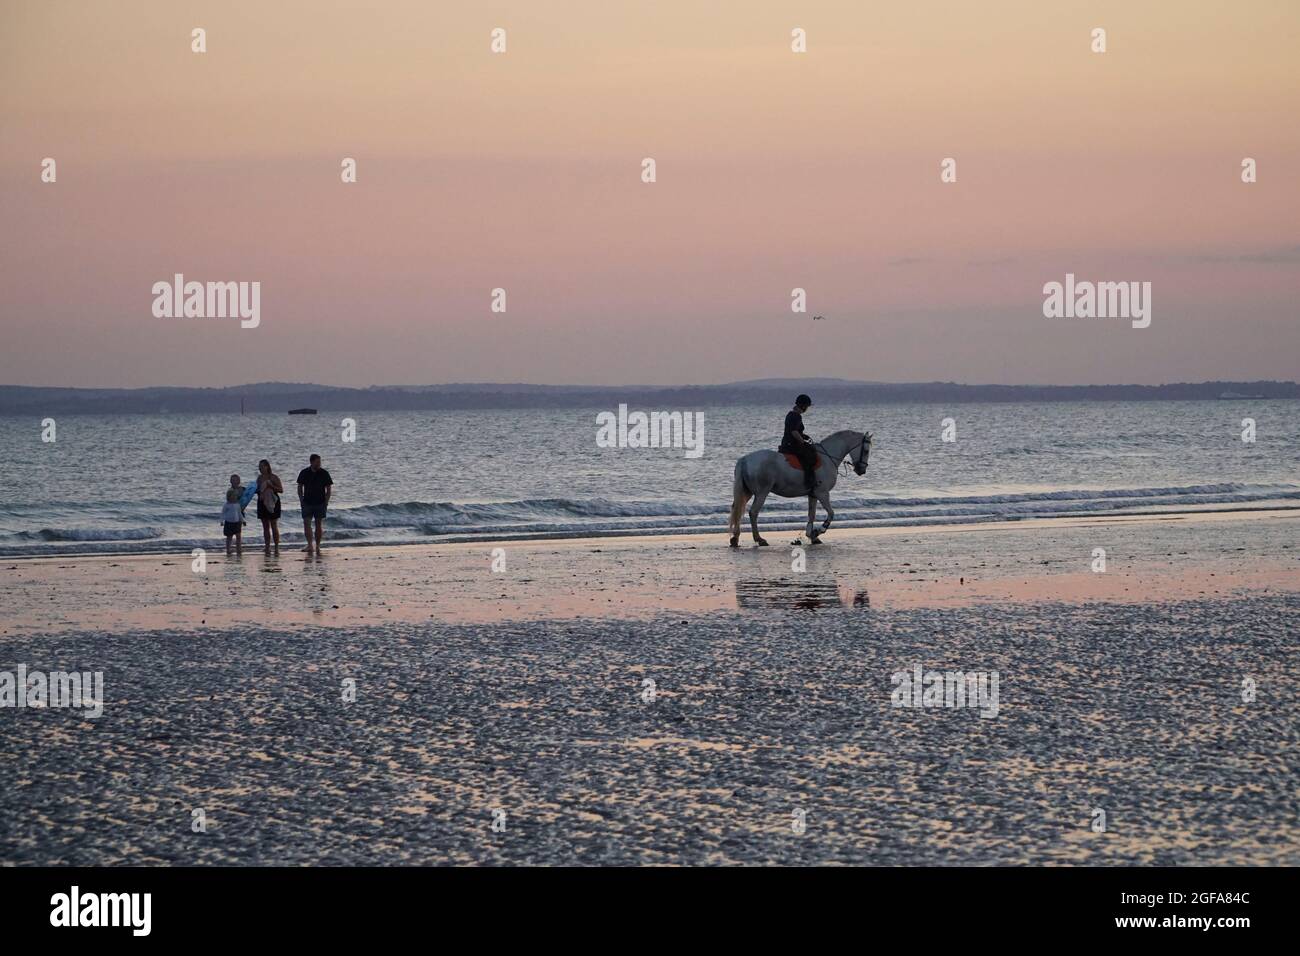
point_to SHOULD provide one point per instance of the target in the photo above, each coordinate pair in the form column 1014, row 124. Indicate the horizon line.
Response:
column 773, row 382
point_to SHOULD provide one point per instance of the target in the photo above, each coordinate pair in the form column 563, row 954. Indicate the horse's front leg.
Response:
column 812, row 516
column 830, row 512
column 753, row 517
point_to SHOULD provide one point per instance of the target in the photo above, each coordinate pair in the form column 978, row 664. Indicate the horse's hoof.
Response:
column 816, row 540
column 762, row 543
column 735, row 542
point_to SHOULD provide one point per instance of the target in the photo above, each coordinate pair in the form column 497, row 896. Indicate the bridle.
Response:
column 863, row 454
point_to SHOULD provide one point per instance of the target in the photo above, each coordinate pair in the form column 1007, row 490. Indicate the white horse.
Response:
column 761, row 473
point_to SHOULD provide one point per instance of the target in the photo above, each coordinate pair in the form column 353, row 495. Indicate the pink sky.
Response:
column 522, row 171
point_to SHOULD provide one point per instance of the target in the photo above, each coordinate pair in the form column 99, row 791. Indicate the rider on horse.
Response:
column 795, row 442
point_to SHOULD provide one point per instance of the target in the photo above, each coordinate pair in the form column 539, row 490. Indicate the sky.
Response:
column 522, row 171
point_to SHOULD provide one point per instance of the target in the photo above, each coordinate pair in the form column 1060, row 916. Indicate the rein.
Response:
column 844, row 463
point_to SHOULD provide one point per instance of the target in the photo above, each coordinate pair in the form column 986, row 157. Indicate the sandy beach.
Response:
column 524, row 690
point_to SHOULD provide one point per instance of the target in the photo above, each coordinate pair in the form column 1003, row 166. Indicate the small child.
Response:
column 245, row 496
column 231, row 520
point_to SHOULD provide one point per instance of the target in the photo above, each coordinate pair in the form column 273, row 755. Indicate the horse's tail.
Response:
column 740, row 495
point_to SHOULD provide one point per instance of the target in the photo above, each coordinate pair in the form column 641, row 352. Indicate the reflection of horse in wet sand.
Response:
column 761, row 473
column 800, row 594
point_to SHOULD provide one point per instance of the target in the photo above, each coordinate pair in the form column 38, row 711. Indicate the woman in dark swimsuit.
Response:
column 269, row 490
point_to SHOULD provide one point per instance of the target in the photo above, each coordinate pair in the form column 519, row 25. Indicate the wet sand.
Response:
column 1147, row 559
column 525, row 692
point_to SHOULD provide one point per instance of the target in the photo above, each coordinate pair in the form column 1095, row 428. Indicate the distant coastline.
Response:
column 279, row 397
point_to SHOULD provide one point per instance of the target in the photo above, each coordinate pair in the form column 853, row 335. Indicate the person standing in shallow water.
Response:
column 314, row 489
column 269, row 490
column 245, row 496
column 232, row 524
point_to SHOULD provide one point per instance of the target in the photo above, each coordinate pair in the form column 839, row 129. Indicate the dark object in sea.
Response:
column 302, row 411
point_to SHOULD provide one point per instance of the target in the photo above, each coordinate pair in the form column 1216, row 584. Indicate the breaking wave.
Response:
column 574, row 517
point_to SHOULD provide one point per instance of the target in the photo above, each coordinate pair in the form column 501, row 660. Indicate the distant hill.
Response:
column 279, row 397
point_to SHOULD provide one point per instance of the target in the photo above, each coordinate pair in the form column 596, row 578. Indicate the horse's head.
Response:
column 864, row 453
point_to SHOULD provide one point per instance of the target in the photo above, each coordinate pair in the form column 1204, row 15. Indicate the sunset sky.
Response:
column 522, row 170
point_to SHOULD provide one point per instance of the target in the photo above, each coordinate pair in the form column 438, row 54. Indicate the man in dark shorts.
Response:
column 314, row 488
column 795, row 441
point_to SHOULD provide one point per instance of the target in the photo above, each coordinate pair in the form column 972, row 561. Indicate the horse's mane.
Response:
column 850, row 438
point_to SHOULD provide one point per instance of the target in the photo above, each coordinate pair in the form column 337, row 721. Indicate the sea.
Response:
column 156, row 483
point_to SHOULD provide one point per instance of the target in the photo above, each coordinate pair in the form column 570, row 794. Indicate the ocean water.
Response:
column 156, row 482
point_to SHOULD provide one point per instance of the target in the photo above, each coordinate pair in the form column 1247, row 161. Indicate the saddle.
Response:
column 796, row 464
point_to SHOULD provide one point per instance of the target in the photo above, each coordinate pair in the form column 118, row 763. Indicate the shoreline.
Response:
column 1149, row 559
column 767, row 525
